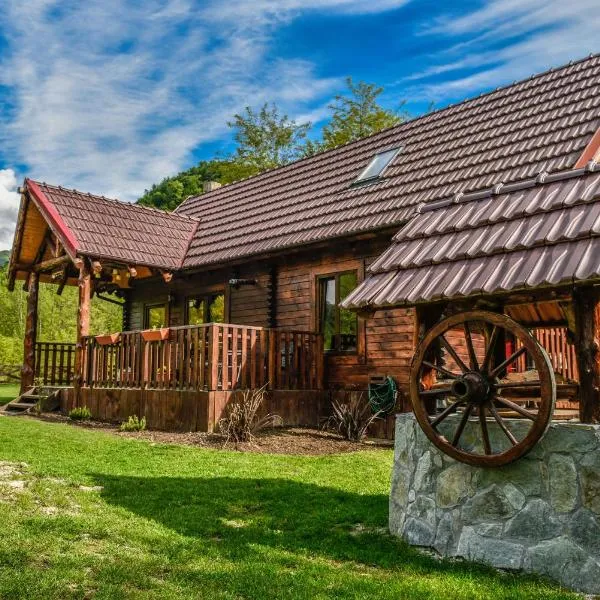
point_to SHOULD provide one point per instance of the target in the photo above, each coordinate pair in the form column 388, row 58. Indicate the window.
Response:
column 377, row 165
column 338, row 326
column 206, row 309
column 155, row 316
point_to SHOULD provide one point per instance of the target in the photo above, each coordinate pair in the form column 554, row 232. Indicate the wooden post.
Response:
column 84, row 285
column 586, row 304
column 31, row 324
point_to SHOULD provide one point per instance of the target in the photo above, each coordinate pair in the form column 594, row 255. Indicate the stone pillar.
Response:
column 31, row 325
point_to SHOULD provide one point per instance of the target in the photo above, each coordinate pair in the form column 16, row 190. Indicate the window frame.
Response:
column 320, row 279
column 361, row 179
column 149, row 307
column 207, row 298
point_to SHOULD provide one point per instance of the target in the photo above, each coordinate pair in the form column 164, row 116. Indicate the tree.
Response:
column 355, row 116
column 266, row 139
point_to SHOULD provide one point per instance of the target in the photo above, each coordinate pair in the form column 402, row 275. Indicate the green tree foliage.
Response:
column 356, row 115
column 172, row 191
column 57, row 317
column 266, row 139
column 4, row 256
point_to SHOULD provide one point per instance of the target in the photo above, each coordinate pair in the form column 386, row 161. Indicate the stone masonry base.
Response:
column 541, row 514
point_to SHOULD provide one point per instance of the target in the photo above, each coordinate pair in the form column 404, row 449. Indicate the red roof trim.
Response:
column 592, row 151
column 53, row 218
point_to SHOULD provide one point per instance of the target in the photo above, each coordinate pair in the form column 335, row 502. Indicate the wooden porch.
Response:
column 185, row 380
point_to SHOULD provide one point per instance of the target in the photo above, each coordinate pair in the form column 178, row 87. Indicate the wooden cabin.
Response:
column 243, row 285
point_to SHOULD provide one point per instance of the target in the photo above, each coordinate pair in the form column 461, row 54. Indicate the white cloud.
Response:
column 112, row 96
column 9, row 206
column 507, row 40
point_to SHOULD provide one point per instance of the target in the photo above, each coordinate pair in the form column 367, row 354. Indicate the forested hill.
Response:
column 4, row 256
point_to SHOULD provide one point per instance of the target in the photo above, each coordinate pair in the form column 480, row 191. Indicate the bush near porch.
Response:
column 89, row 514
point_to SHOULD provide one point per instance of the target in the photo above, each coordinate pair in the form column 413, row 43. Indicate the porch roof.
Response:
column 542, row 232
column 104, row 228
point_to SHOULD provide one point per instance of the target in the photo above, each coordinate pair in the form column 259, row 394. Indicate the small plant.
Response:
column 352, row 418
column 133, row 423
column 81, row 413
column 241, row 421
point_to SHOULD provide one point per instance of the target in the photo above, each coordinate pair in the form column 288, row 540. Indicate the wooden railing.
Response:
column 560, row 350
column 54, row 363
column 206, row 357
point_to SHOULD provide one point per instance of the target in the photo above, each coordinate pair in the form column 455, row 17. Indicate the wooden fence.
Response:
column 206, row 357
column 54, row 363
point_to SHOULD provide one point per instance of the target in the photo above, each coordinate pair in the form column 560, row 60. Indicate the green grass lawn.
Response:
column 181, row 522
column 8, row 392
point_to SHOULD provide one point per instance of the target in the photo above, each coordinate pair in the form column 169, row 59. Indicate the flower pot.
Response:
column 155, row 335
column 108, row 339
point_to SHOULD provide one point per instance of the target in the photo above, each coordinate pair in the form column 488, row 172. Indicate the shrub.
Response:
column 133, row 423
column 241, row 420
column 81, row 413
column 352, row 418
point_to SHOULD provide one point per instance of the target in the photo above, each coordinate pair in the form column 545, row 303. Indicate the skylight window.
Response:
column 377, row 165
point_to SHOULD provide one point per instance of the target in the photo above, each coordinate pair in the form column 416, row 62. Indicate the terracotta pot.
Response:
column 155, row 335
column 109, row 339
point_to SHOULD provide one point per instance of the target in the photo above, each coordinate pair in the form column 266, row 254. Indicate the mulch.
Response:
column 277, row 440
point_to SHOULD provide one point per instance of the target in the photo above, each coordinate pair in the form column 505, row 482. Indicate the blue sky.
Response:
column 110, row 96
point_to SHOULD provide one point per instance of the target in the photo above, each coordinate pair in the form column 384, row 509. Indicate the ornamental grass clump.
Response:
column 81, row 413
column 133, row 423
column 352, row 418
column 242, row 420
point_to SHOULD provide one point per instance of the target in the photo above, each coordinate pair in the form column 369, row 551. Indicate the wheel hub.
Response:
column 471, row 387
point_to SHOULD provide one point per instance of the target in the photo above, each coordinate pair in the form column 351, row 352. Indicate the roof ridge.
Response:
column 430, row 114
column 541, row 178
column 124, row 203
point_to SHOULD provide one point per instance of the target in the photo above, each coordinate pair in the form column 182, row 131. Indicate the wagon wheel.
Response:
column 460, row 405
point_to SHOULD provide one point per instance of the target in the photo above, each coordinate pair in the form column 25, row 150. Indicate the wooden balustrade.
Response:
column 54, row 363
column 561, row 352
column 206, row 357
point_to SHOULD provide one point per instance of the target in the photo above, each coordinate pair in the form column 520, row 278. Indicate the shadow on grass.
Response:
column 235, row 519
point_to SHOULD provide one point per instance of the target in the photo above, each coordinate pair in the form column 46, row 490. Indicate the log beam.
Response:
column 84, row 285
column 31, row 325
column 586, row 306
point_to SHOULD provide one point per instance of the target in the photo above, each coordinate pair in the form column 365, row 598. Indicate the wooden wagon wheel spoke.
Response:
column 516, row 407
column 457, row 359
column 446, row 412
column 484, row 430
column 489, row 353
column 461, row 425
column 502, row 425
column 441, row 370
column 511, row 359
column 478, row 391
column 470, row 347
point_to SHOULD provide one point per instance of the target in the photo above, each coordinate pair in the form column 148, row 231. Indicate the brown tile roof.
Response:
column 540, row 232
column 103, row 228
column 541, row 124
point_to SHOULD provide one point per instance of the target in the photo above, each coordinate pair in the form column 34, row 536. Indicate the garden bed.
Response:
column 276, row 440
